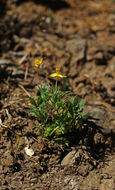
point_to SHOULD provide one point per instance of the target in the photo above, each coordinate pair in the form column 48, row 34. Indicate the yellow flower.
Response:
column 57, row 74
column 38, row 62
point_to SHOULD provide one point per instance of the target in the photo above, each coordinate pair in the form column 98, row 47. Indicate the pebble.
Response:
column 71, row 158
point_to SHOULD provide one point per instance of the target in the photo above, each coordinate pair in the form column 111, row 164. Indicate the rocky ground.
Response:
column 78, row 36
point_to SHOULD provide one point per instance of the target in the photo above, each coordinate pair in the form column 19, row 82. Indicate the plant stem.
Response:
column 56, row 83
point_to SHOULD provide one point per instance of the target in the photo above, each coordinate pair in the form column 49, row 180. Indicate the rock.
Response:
column 29, row 151
column 72, row 158
column 98, row 113
column 101, row 116
column 76, row 46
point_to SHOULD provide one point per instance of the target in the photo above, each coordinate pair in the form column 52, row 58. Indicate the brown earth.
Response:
column 79, row 37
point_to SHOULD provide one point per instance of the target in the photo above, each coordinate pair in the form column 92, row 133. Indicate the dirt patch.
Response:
column 78, row 37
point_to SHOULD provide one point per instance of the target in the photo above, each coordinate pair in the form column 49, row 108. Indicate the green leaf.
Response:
column 72, row 101
column 82, row 102
column 80, row 109
column 40, row 128
column 58, row 104
column 69, row 115
column 64, row 140
column 34, row 112
column 48, row 131
column 64, row 129
column 84, row 116
column 76, row 100
column 39, row 100
column 32, row 101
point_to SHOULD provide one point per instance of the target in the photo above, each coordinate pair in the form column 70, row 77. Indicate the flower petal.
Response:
column 61, row 76
column 53, row 75
column 38, row 62
column 57, row 75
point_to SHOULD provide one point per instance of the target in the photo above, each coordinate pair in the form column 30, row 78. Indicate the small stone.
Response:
column 29, row 151
column 71, row 158
column 68, row 159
